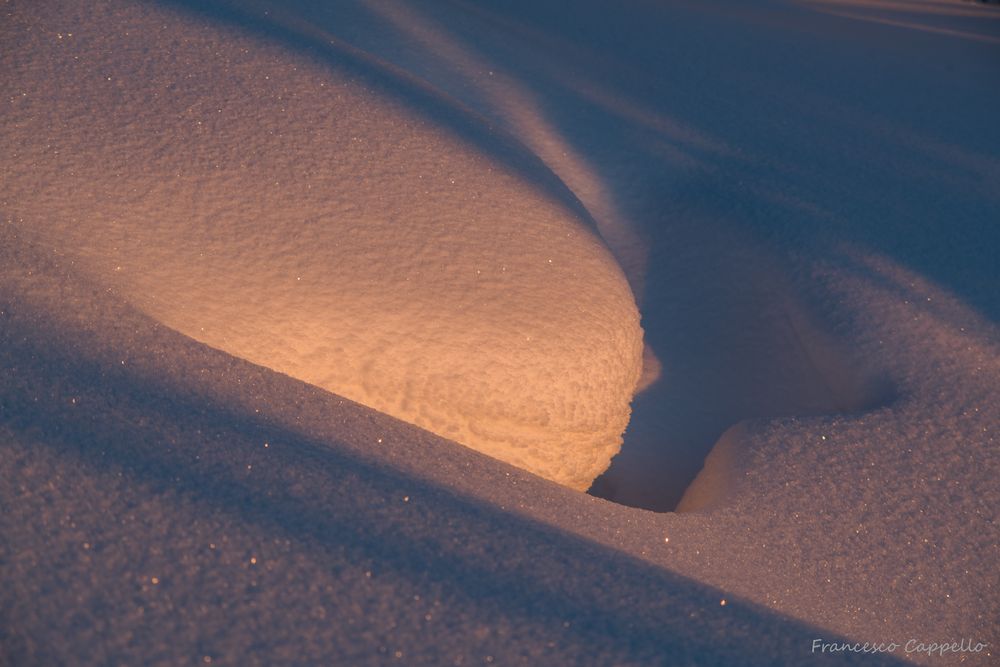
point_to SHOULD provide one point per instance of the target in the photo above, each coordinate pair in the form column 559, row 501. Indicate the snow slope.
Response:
column 166, row 503
column 803, row 199
column 299, row 219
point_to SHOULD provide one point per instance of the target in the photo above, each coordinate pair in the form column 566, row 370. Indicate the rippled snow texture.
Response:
column 334, row 234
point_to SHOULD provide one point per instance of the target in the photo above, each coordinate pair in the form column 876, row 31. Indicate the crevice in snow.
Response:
column 750, row 347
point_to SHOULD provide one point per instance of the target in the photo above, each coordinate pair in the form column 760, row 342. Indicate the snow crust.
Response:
column 300, row 218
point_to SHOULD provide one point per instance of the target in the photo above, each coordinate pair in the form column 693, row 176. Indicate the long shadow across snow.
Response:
column 64, row 395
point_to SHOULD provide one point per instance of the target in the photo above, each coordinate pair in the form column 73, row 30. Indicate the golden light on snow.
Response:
column 357, row 277
column 453, row 217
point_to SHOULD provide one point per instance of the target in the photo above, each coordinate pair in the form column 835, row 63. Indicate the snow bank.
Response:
column 302, row 218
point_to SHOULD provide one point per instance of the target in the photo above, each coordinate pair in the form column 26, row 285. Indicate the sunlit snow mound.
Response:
column 273, row 207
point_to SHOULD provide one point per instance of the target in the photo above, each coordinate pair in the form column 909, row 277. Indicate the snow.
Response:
column 296, row 218
column 801, row 195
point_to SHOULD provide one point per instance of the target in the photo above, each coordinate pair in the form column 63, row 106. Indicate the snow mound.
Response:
column 335, row 235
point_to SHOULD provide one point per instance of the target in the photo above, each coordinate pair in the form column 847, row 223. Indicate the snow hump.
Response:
column 282, row 211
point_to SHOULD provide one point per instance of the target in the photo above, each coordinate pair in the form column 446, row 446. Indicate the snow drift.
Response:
column 812, row 188
column 299, row 218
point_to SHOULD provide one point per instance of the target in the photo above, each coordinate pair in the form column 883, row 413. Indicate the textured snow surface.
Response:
column 166, row 503
column 299, row 219
column 802, row 196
